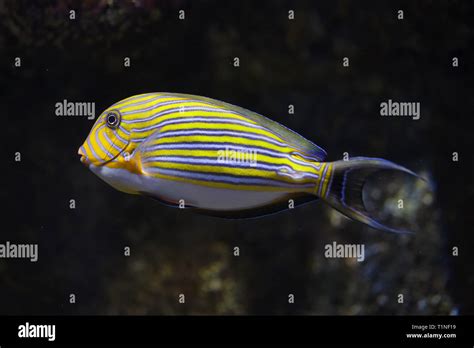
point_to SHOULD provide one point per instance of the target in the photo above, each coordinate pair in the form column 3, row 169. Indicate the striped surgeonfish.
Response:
column 220, row 159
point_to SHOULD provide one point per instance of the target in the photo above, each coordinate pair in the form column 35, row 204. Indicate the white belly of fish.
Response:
column 198, row 196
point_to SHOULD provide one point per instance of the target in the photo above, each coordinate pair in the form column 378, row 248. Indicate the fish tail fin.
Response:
column 346, row 183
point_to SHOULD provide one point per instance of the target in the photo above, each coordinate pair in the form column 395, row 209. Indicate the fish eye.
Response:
column 112, row 119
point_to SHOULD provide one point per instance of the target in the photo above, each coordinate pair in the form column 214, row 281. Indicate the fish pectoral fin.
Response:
column 143, row 154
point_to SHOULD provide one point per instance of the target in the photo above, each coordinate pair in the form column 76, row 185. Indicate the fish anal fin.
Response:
column 258, row 212
column 168, row 203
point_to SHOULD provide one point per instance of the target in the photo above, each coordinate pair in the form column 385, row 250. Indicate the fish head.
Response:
column 108, row 140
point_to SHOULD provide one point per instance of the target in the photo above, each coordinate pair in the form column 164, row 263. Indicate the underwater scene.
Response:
column 236, row 158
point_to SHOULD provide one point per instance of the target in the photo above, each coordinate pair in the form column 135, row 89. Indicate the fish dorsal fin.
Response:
column 293, row 139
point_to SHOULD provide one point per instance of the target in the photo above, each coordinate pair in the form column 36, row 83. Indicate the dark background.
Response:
column 282, row 62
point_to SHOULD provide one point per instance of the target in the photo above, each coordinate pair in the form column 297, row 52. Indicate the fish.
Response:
column 222, row 160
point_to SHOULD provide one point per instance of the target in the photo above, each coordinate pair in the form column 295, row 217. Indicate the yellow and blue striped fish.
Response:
column 220, row 159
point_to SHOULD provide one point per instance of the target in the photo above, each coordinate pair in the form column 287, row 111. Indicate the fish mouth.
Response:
column 84, row 159
column 87, row 161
